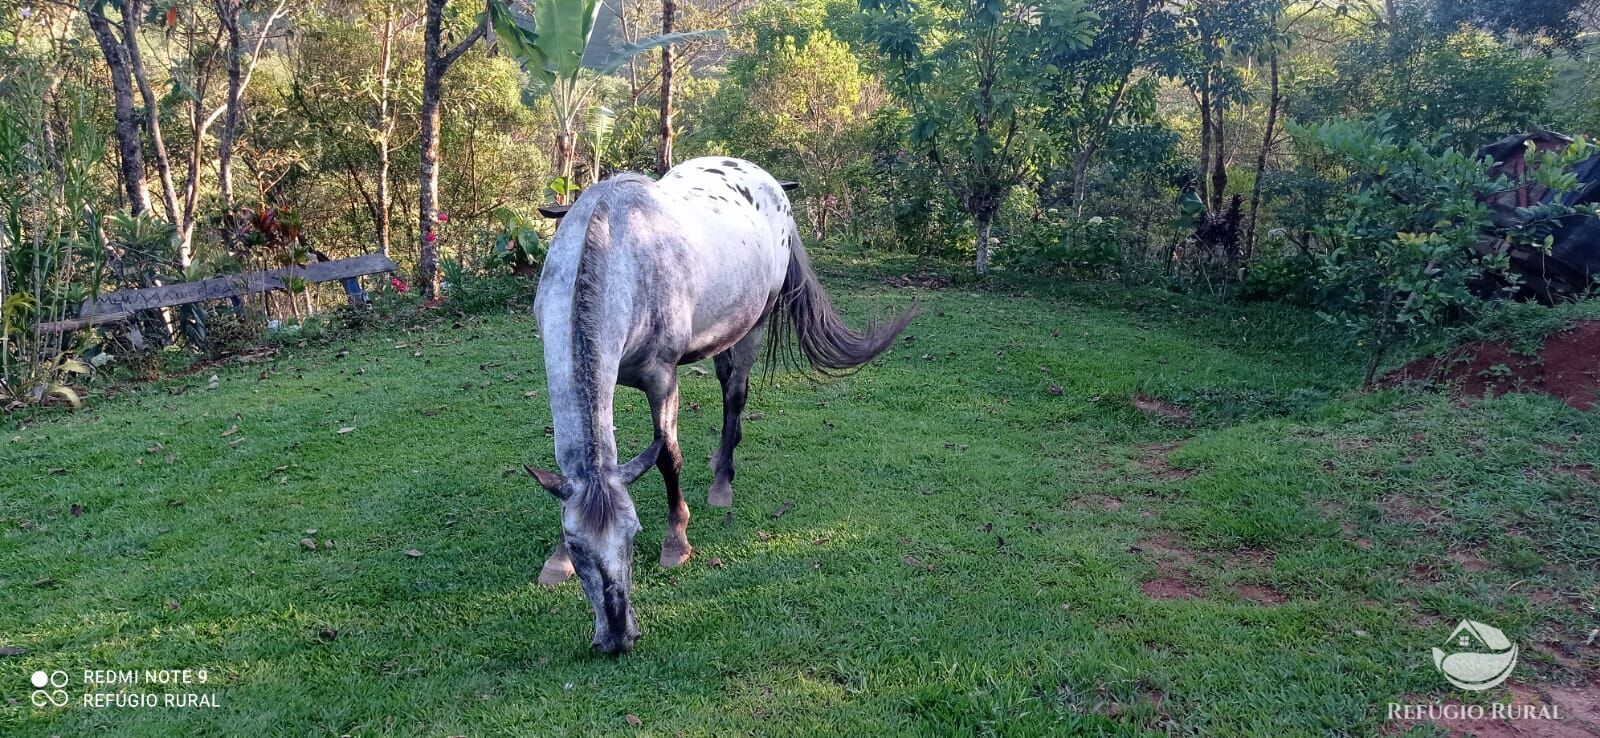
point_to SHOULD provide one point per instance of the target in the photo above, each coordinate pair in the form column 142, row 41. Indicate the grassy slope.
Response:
column 883, row 602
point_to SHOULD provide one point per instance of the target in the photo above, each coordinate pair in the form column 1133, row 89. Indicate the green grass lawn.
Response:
column 984, row 534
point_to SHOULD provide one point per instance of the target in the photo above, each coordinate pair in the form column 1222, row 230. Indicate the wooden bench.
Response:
column 554, row 212
column 119, row 307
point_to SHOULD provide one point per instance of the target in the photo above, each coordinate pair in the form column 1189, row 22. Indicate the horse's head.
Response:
column 598, row 523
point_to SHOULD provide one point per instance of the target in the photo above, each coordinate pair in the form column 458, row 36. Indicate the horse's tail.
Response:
column 805, row 317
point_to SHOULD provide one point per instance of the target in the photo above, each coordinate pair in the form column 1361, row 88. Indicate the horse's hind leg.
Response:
column 662, row 389
column 733, row 371
column 557, row 568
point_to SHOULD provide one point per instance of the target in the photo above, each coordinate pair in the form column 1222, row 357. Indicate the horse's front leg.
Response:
column 662, row 389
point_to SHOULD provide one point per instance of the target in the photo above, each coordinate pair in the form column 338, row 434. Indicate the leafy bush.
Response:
column 1280, row 276
column 1057, row 242
column 516, row 244
column 1405, row 247
column 475, row 292
column 229, row 333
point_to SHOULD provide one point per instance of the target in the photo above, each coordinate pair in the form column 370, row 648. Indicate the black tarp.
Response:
column 1573, row 263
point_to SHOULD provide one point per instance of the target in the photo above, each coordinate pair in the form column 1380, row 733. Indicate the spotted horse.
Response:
column 641, row 277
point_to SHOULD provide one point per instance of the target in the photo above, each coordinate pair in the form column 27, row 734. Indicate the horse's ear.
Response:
column 547, row 479
column 638, row 465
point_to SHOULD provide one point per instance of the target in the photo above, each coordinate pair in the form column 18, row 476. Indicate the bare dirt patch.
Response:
column 1168, row 589
column 1152, row 406
column 1585, row 472
column 1154, row 459
column 1566, row 367
column 1173, row 563
column 1260, row 594
column 1470, row 561
column 1401, row 507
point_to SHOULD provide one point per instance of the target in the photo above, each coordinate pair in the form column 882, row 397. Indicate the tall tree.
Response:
column 668, row 8
column 130, row 148
column 969, row 71
column 436, row 62
column 384, row 130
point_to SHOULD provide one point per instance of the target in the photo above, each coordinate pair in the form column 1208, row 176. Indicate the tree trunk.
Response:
column 129, row 148
column 434, row 66
column 668, row 9
column 380, row 212
column 228, row 14
column 1261, row 159
column 1205, row 145
column 1219, row 154
column 134, row 9
column 985, row 227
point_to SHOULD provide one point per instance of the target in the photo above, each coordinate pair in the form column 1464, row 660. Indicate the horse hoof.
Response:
column 721, row 495
column 554, row 573
column 674, row 555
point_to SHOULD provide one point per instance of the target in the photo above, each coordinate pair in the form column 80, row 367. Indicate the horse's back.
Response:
column 737, row 224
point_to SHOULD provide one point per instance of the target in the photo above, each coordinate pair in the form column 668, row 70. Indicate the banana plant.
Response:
column 549, row 38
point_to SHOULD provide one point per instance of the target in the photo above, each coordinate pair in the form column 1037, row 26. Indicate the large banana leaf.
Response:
column 619, row 57
column 551, row 42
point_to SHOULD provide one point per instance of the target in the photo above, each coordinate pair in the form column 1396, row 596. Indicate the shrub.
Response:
column 1405, row 246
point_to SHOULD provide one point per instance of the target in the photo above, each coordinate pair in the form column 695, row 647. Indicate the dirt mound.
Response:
column 1566, row 367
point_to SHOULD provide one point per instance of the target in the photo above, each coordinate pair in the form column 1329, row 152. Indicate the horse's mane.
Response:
column 594, row 501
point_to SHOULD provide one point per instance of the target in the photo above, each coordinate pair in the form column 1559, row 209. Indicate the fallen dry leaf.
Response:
column 308, row 544
column 783, row 509
column 413, row 553
column 346, row 429
column 13, row 651
column 633, row 720
column 76, row 510
column 716, row 563
column 232, row 429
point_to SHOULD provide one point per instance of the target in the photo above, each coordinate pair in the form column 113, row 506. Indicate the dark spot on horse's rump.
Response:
column 729, row 163
column 714, row 170
column 741, row 189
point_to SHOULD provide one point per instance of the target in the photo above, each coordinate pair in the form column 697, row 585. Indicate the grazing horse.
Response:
column 643, row 276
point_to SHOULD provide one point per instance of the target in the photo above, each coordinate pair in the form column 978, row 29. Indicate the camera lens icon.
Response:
column 57, row 696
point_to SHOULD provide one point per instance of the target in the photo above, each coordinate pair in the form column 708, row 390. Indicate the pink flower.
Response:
column 398, row 285
column 431, row 237
column 443, row 218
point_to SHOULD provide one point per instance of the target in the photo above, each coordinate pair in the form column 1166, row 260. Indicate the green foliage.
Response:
column 1463, row 89
column 1060, row 242
column 476, row 292
column 1403, row 252
column 969, row 73
column 50, row 248
column 517, row 244
column 798, row 102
